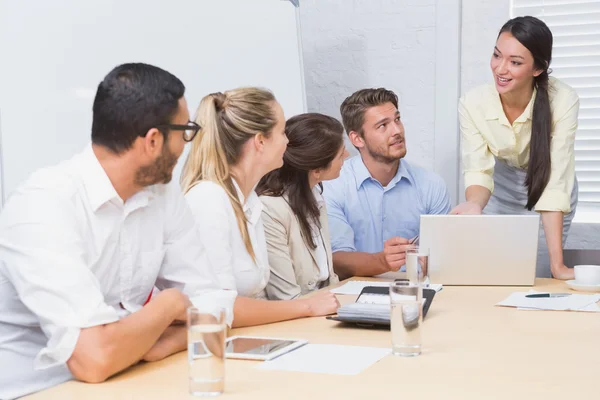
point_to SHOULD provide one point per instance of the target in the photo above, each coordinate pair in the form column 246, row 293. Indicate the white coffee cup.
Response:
column 587, row 274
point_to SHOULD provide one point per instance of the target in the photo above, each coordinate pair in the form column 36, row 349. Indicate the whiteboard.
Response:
column 55, row 53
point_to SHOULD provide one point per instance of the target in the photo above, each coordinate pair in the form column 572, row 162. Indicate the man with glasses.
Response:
column 83, row 243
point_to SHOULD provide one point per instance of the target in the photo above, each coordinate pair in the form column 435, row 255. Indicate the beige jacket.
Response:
column 294, row 269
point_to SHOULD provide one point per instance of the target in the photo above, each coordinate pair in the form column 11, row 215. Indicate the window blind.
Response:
column 575, row 25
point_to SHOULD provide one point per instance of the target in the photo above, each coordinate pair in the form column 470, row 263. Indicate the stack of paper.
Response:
column 371, row 306
column 573, row 302
column 355, row 287
column 379, row 312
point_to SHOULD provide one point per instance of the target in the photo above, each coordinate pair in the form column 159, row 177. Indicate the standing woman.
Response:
column 242, row 138
column 518, row 140
column 294, row 212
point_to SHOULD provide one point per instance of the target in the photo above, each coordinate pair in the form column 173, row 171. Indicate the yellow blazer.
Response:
column 294, row 269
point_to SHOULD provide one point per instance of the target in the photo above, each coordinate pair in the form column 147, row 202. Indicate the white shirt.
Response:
column 73, row 255
column 320, row 253
column 220, row 234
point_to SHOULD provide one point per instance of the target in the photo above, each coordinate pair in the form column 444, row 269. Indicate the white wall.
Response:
column 481, row 21
column 350, row 45
column 49, row 75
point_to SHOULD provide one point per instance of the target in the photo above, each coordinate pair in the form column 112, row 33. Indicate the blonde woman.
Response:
column 242, row 138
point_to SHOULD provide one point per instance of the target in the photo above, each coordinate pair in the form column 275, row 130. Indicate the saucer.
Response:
column 581, row 287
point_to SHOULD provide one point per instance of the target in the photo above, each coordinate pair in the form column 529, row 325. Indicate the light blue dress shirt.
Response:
column 363, row 214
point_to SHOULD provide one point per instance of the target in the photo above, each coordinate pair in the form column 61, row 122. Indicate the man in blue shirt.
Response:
column 374, row 207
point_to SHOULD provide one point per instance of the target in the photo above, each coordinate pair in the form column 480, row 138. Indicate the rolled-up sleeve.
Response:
column 342, row 234
column 478, row 162
column 43, row 257
column 557, row 194
column 187, row 265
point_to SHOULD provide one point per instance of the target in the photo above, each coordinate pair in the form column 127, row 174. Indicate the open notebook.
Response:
column 372, row 307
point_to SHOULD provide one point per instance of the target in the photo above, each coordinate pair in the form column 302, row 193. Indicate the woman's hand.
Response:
column 467, row 208
column 323, row 303
column 563, row 272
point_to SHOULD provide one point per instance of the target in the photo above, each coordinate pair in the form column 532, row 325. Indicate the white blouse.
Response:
column 220, row 235
column 320, row 253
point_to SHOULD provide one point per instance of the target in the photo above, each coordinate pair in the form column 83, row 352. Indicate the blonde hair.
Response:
column 228, row 121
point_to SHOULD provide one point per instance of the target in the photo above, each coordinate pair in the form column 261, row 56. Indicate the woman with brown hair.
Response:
column 518, row 140
column 294, row 213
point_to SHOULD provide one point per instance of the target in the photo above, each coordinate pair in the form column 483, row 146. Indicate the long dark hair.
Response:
column 314, row 141
column 535, row 35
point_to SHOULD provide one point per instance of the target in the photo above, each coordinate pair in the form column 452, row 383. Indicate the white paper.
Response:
column 573, row 302
column 591, row 308
column 327, row 359
column 355, row 287
column 374, row 299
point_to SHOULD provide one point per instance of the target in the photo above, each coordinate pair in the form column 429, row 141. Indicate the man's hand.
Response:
column 467, row 208
column 180, row 303
column 394, row 252
column 173, row 340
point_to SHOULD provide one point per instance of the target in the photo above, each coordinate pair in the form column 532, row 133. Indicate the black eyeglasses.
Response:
column 189, row 130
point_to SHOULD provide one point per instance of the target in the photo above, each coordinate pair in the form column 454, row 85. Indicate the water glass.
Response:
column 417, row 265
column 206, row 329
column 406, row 299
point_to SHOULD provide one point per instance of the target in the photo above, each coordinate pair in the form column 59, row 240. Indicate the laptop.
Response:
column 490, row 250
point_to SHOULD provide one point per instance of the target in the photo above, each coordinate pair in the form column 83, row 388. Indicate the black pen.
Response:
column 539, row 295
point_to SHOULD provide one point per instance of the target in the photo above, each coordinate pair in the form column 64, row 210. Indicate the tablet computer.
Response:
column 259, row 348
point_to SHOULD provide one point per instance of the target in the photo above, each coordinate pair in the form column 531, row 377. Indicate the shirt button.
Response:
column 311, row 283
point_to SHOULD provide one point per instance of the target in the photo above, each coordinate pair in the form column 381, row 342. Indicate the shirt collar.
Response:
column 361, row 173
column 318, row 196
column 494, row 110
column 252, row 206
column 99, row 188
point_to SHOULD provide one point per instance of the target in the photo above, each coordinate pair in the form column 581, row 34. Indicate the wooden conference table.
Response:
column 471, row 350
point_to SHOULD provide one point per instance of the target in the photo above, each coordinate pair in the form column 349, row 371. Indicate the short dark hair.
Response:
column 132, row 99
column 314, row 141
column 354, row 107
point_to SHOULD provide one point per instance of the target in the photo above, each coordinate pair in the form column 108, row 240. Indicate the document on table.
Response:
column 355, row 287
column 573, row 302
column 327, row 359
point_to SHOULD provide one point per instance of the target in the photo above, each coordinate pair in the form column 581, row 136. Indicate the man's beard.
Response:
column 379, row 156
column 161, row 171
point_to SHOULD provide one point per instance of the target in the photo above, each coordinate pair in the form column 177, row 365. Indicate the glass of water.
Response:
column 206, row 329
column 406, row 299
column 417, row 265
